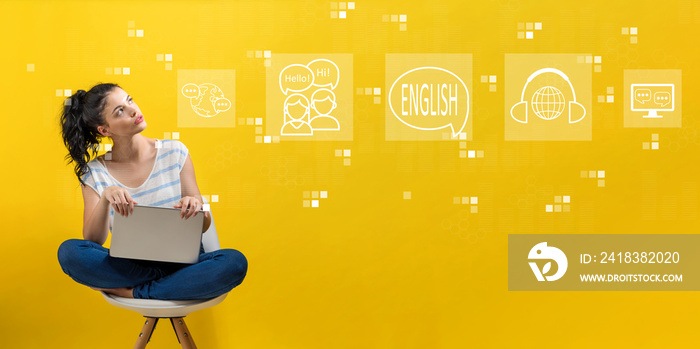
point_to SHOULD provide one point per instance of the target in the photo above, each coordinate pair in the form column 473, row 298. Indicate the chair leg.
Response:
column 183, row 334
column 146, row 332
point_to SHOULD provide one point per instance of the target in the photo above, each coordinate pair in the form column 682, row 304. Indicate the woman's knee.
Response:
column 71, row 251
column 236, row 264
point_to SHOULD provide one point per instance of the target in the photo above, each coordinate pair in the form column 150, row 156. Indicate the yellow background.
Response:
column 368, row 268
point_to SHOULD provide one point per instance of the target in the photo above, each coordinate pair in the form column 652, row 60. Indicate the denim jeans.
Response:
column 216, row 273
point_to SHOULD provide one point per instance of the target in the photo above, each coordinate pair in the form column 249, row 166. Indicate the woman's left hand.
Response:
column 190, row 206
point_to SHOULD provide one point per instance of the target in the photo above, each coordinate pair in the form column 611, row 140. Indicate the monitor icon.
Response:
column 652, row 98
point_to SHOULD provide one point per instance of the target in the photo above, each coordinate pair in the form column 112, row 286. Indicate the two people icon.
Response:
column 298, row 110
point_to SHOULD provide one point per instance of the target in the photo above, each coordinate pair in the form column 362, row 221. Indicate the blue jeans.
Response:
column 216, row 273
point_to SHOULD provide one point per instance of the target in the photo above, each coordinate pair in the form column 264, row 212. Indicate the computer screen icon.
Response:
column 653, row 98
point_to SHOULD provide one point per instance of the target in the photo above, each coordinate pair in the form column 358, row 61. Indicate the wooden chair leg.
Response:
column 183, row 334
column 146, row 332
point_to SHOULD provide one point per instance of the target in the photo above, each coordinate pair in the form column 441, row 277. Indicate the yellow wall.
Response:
column 366, row 269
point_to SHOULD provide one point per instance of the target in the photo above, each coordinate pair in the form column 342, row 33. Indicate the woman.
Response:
column 154, row 172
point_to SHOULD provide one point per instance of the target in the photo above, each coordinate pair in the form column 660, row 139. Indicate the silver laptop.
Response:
column 157, row 234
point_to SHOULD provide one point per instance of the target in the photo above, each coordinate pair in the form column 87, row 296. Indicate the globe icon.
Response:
column 548, row 103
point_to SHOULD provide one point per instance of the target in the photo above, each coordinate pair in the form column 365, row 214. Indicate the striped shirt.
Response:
column 161, row 188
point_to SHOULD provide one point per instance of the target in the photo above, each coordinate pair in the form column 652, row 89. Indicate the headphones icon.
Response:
column 521, row 108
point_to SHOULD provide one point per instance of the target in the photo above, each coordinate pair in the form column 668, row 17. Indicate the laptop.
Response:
column 157, row 234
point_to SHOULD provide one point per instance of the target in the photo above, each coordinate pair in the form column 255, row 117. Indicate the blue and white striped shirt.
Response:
column 161, row 188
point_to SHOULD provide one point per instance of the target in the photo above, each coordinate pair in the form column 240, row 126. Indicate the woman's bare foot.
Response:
column 126, row 292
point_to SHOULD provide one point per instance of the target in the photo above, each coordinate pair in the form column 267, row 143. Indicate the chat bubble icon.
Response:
column 190, row 90
column 295, row 78
column 326, row 73
column 430, row 98
column 662, row 99
column 642, row 95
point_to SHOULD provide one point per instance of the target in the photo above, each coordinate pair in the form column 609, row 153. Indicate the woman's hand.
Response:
column 119, row 199
column 190, row 206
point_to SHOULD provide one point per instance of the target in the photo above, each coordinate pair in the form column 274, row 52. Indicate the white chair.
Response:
column 174, row 310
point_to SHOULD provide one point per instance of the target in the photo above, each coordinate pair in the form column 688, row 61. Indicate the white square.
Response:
column 538, row 26
column 267, row 54
column 471, row 154
column 206, row 207
column 654, row 145
column 346, row 152
column 351, row 5
column 258, row 121
column 377, row 91
column 324, row 194
column 402, row 18
column 176, row 135
column 601, row 174
column 168, row 57
column 492, row 79
column 158, row 144
column 567, row 199
column 407, row 195
column 139, row 33
column 314, row 203
column 30, row 67
column 474, row 200
column 215, row 198
column 126, row 70
column 67, row 92
column 341, row 14
column 610, row 99
column 597, row 59
column 549, row 208
column 633, row 31
column 267, row 139
column 108, row 147
column 529, row 35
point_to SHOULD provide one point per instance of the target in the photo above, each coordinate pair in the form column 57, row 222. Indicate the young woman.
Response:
column 138, row 170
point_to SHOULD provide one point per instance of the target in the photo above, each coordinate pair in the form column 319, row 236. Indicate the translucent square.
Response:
column 402, row 27
column 267, row 139
column 601, row 99
column 334, row 5
column 377, row 100
column 385, row 18
column 250, row 54
column 206, row 197
column 566, row 199
column 176, row 135
column 557, row 208
column 368, row 91
column 474, row 209
column 465, row 200
column 59, row 92
column 601, row 182
column 109, row 71
column 130, row 24
column 351, row 5
column 549, row 208
column 346, row 162
column 610, row 99
column 108, row 156
column 394, row 18
column 584, row 174
column 633, row 39
column 521, row 35
column 30, row 67
column 492, row 79
column 342, row 5
column 463, row 136
column 633, row 31
column 471, row 154
column 402, row 18
column 492, row 88
column 267, row 63
column 250, row 121
column 538, row 25
column 347, row 152
column 655, row 137
column 314, row 203
column 168, row 66
column 407, row 195
column 474, row 200
column 591, row 174
column 324, row 194
column 117, row 71
column 610, row 90
column 484, row 78
column 479, row 154
column 160, row 57
column 342, row 14
column 126, row 70
column 557, row 199
column 463, row 154
column 654, row 145
column 258, row 54
column 360, row 91
column 139, row 33
column 597, row 68
column 67, row 92
column 456, row 200
column 159, row 144
column 521, row 26
column 267, row 54
column 529, row 26
column 580, row 59
column 314, row 194
column 258, row 121
column 258, row 130
column 131, row 33
column 258, row 139
column 339, row 152
column 306, row 194
column 306, row 203
column 168, row 57
column 215, row 198
column 589, row 59
column 462, row 145
column 529, row 35
column 377, row 91
column 646, row 145
column 625, row 31
column 566, row 208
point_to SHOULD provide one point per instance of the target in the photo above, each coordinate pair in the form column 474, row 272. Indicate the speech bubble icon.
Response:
column 222, row 104
column 190, row 90
column 295, row 78
column 642, row 95
column 662, row 98
column 326, row 73
column 430, row 98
